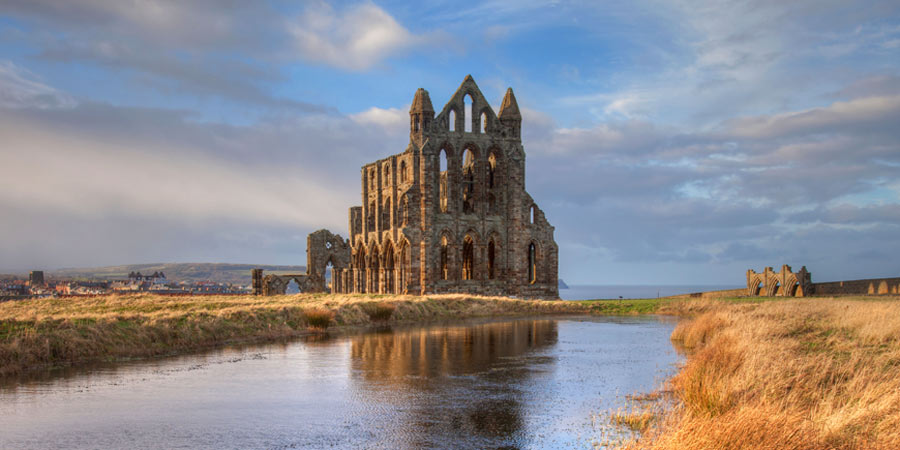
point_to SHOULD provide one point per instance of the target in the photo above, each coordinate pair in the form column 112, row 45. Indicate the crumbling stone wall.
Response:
column 324, row 249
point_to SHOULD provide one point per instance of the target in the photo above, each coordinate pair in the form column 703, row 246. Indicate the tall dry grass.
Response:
column 44, row 332
column 794, row 374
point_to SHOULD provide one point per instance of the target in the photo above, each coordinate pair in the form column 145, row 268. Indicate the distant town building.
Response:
column 36, row 278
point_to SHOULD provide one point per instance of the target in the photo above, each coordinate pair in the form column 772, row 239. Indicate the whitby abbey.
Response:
column 450, row 214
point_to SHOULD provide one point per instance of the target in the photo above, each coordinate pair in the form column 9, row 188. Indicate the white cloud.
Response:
column 839, row 115
column 18, row 89
column 86, row 175
column 392, row 120
column 356, row 38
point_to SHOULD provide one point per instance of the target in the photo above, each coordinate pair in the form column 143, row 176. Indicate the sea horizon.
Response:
column 632, row 291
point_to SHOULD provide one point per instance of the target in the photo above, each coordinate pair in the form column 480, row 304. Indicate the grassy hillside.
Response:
column 219, row 272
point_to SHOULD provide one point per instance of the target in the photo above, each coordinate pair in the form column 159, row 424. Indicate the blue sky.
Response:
column 677, row 142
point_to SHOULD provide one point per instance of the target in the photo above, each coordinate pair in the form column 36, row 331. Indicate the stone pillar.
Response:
column 256, row 276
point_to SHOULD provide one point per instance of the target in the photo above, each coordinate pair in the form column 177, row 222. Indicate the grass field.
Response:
column 814, row 373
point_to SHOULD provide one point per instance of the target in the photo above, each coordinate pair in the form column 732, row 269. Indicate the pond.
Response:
column 515, row 383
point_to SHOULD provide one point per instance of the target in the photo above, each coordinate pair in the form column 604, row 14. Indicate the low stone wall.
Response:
column 858, row 287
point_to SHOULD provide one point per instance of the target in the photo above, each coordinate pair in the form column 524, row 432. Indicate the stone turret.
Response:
column 421, row 114
column 509, row 114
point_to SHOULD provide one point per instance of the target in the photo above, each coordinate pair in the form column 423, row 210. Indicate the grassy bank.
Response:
column 40, row 333
column 788, row 374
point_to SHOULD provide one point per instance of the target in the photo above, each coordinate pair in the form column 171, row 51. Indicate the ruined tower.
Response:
column 450, row 213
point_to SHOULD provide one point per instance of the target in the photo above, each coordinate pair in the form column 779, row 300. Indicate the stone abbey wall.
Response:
column 448, row 214
column 859, row 287
column 786, row 283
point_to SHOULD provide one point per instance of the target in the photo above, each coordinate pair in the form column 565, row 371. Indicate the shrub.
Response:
column 380, row 312
column 318, row 317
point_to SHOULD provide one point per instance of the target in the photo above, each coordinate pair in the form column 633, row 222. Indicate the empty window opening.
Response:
column 452, row 117
column 361, row 269
column 403, row 276
column 468, row 108
column 484, row 123
column 491, row 255
column 468, row 259
column 492, row 170
column 386, row 215
column 531, row 216
column 292, row 287
column 468, row 182
column 374, row 266
column 492, row 205
column 329, row 274
column 444, row 181
column 417, row 118
column 387, row 176
column 388, row 268
column 404, row 211
column 403, row 171
column 370, row 217
column 445, row 272
column 532, row 264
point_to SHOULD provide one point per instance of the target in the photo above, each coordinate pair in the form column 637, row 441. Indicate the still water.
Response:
column 523, row 383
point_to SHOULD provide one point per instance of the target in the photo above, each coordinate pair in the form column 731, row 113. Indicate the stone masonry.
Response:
column 448, row 214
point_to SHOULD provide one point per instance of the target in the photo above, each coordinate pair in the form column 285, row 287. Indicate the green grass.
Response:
column 625, row 306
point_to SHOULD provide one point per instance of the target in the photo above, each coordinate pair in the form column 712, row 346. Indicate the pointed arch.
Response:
column 468, row 258
column 405, row 263
column 386, row 211
column 444, row 261
column 532, row 262
column 361, row 264
column 403, row 212
column 388, row 265
column 374, row 269
column 451, row 119
column 370, row 217
column 469, row 167
column 469, row 117
column 492, row 259
column 444, row 178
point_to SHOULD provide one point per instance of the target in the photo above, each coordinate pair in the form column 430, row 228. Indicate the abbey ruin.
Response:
column 448, row 214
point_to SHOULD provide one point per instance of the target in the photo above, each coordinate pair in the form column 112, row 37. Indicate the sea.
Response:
column 612, row 291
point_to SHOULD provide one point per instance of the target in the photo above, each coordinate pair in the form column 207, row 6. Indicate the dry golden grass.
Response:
column 318, row 318
column 793, row 374
column 44, row 332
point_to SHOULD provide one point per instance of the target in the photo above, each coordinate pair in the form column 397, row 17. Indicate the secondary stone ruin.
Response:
column 448, row 214
column 785, row 283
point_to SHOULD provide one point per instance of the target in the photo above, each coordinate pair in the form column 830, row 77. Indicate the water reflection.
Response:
column 427, row 377
column 526, row 383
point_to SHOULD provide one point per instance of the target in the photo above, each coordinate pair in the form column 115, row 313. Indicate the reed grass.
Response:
column 790, row 374
column 318, row 318
column 40, row 333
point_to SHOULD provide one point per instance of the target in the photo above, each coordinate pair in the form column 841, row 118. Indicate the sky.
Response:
column 669, row 142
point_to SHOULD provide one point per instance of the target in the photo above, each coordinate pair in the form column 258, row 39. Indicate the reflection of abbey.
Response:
column 449, row 214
